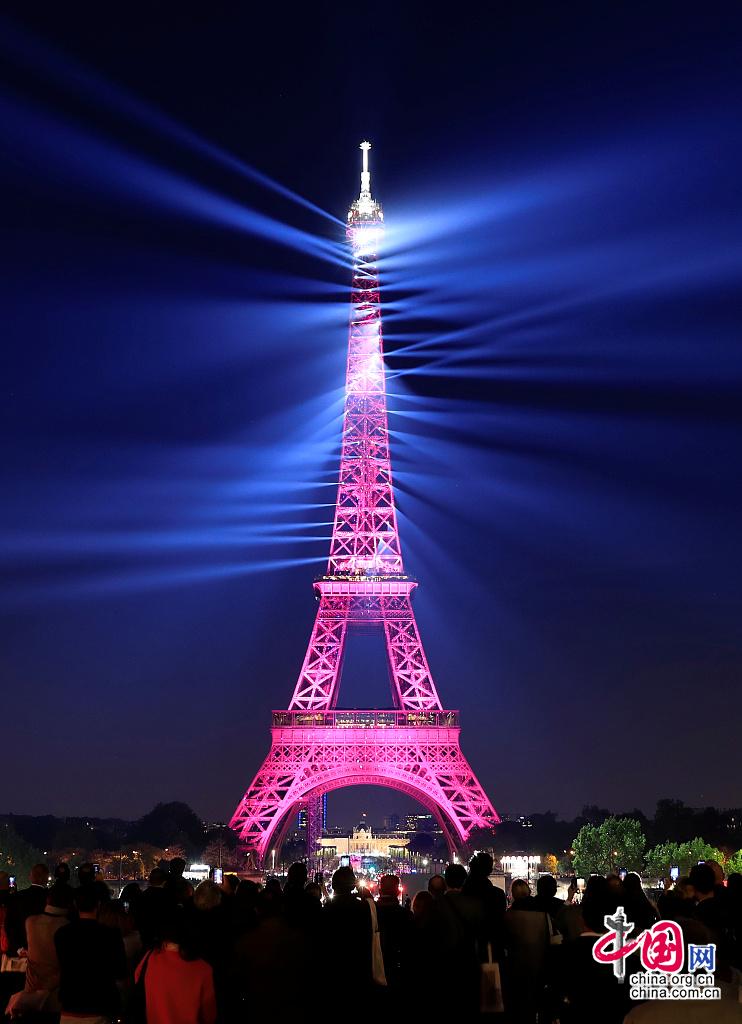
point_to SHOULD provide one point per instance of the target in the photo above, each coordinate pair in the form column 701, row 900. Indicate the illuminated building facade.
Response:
column 316, row 747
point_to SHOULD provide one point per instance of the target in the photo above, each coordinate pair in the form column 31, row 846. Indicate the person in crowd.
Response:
column 178, row 986
column 129, row 897
column 395, row 928
column 589, row 991
column 436, row 886
column 209, row 919
column 41, row 988
column 301, row 907
column 152, row 908
column 546, row 897
column 635, row 903
column 677, row 903
column 422, row 903
column 491, row 899
column 520, row 895
column 88, row 876
column 91, row 962
column 275, row 955
column 346, row 924
column 62, row 879
column 178, row 888
column 230, row 881
column 711, row 909
column 24, row 904
column 114, row 914
column 459, row 930
column 527, row 943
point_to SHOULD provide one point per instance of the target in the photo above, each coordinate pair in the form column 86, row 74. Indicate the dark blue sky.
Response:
column 562, row 286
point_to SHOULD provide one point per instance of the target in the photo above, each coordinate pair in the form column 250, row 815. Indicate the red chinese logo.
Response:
column 661, row 946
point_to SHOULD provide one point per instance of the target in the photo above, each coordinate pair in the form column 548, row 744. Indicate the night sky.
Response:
column 562, row 285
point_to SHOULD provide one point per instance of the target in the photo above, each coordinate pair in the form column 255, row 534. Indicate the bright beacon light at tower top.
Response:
column 365, row 216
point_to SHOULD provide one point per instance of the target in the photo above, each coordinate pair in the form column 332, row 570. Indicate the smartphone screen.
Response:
column 674, row 874
column 218, row 875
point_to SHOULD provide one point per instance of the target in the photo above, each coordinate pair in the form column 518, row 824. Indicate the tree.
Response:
column 733, row 864
column 615, row 843
column 17, row 857
column 550, row 863
column 680, row 855
column 173, row 824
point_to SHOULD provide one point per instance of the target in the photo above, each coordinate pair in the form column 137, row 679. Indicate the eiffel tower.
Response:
column 317, row 747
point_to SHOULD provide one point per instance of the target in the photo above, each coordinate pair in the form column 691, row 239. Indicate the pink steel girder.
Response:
column 425, row 763
column 365, row 535
column 412, row 683
column 414, row 748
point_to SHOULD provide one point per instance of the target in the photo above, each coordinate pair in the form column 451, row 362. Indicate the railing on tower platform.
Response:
column 355, row 719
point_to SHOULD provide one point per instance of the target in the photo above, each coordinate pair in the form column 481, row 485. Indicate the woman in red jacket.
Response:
column 177, row 990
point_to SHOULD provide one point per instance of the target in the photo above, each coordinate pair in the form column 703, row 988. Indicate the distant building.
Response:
column 363, row 843
column 420, row 823
column 392, row 822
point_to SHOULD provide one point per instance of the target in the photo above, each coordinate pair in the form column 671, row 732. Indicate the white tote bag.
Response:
column 377, row 960
column 490, row 985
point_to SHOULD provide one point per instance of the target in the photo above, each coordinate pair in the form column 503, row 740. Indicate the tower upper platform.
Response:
column 364, row 210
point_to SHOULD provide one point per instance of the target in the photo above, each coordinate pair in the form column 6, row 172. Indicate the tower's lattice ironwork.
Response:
column 316, row 747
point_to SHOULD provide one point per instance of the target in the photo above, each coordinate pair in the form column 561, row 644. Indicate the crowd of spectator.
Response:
column 170, row 953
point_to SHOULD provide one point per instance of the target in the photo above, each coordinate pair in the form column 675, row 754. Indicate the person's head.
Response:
column 389, row 886
column 59, row 897
column 176, row 867
column 62, row 873
column 313, row 890
column 230, row 883
column 86, row 901
column 481, row 864
column 130, row 893
column 297, row 875
column 437, row 886
column 598, row 888
column 113, row 915
column 703, row 880
column 85, row 874
column 519, row 890
column 343, row 881
column 178, row 930
column 684, row 888
column 157, row 878
column 615, row 884
column 39, row 874
column 4, row 880
column 455, row 876
column 718, row 871
column 546, row 886
column 632, row 886
column 207, row 896
column 422, row 902
column 592, row 910
column 273, row 888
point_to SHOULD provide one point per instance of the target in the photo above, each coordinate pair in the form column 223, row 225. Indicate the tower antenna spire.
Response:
column 365, row 173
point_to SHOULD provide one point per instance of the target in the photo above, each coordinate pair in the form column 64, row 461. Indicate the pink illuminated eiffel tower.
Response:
column 316, row 747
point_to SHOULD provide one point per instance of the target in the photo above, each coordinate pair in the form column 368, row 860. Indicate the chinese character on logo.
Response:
column 661, row 945
column 702, row 957
column 662, row 948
